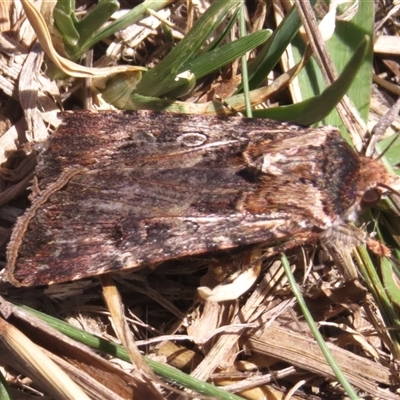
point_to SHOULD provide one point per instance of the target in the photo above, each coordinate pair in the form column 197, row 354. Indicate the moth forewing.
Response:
column 122, row 190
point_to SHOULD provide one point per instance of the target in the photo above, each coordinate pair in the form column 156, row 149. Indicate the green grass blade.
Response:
column 95, row 19
column 65, row 20
column 76, row 33
column 208, row 62
column 5, row 393
column 167, row 372
column 316, row 333
column 270, row 54
column 391, row 280
column 245, row 67
column 375, row 286
column 161, row 79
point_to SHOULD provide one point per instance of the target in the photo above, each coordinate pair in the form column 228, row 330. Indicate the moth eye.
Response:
column 370, row 198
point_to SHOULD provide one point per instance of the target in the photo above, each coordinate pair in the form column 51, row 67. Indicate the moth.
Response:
column 116, row 191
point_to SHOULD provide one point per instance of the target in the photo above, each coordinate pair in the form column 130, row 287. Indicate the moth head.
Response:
column 374, row 182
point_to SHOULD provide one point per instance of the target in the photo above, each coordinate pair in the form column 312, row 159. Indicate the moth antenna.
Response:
column 382, row 125
column 396, row 136
column 389, row 188
column 393, row 191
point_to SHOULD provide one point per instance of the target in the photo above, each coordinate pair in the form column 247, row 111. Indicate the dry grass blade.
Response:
column 102, row 378
column 65, row 65
column 25, row 355
column 350, row 117
column 304, row 353
column 225, row 346
column 115, row 305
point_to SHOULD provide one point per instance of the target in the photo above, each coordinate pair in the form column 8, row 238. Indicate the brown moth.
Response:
column 122, row 190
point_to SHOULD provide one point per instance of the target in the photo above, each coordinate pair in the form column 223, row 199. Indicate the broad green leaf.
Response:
column 341, row 47
column 316, row 108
